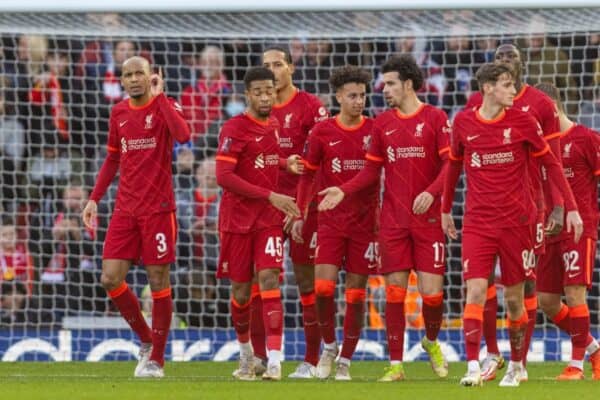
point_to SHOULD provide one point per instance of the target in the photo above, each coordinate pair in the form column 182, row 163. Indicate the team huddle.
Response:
column 371, row 196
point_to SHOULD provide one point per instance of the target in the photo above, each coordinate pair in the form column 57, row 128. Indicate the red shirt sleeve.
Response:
column 376, row 152
column 540, row 148
column 174, row 118
column 110, row 167
column 443, row 131
column 455, row 164
column 592, row 151
column 317, row 112
column 312, row 163
column 474, row 100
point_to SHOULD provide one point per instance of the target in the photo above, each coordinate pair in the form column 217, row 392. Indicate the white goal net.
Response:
column 59, row 79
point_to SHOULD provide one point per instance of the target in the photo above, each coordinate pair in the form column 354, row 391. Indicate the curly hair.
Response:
column 348, row 74
column 407, row 69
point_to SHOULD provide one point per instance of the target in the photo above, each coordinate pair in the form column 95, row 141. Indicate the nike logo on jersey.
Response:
column 436, row 266
column 278, row 260
column 161, row 255
column 525, row 109
column 334, row 143
column 122, row 123
column 471, row 138
column 258, row 139
column 574, row 275
column 388, row 133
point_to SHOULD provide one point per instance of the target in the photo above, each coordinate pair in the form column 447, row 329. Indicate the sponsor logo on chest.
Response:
column 261, row 161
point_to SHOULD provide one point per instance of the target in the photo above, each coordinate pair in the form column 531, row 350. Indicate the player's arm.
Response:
column 172, row 111
column 107, row 173
column 541, row 151
column 425, row 199
column 312, row 161
column 550, row 125
column 453, row 170
column 368, row 176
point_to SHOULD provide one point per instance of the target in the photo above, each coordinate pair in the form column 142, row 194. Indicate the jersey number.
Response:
column 372, row 252
column 528, row 257
column 162, row 242
column 274, row 246
column 570, row 259
column 438, row 252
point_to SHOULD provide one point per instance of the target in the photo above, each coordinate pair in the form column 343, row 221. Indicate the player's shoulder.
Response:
column 518, row 116
column 466, row 115
column 474, row 100
column 323, row 126
column 312, row 102
column 434, row 113
column 121, row 107
column 582, row 131
column 385, row 117
column 236, row 125
column 536, row 95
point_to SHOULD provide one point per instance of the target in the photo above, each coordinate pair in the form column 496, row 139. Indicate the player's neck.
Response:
column 565, row 122
column 285, row 94
column 349, row 120
column 410, row 105
column 253, row 115
column 141, row 101
column 489, row 110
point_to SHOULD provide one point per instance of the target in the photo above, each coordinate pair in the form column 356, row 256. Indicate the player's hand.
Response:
column 295, row 165
column 575, row 225
column 296, row 232
column 157, row 84
column 555, row 221
column 89, row 214
column 288, row 221
column 285, row 204
column 333, row 196
column 448, row 226
column 422, row 203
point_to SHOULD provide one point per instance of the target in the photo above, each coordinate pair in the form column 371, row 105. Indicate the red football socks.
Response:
column 162, row 312
column 129, row 307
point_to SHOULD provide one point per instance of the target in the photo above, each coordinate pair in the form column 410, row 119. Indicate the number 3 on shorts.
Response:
column 161, row 247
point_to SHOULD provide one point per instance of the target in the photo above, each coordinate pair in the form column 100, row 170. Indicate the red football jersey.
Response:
column 142, row 137
column 412, row 149
column 253, row 147
column 296, row 118
column 496, row 160
column 338, row 153
column 581, row 163
column 541, row 107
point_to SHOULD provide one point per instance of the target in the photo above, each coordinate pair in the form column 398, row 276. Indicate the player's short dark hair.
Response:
column 257, row 74
column 286, row 53
column 490, row 72
column 407, row 69
column 552, row 92
column 348, row 74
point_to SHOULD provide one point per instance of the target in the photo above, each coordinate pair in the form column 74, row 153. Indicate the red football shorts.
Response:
column 151, row 238
column 513, row 246
column 357, row 254
column 568, row 264
column 304, row 253
column 243, row 255
column 421, row 249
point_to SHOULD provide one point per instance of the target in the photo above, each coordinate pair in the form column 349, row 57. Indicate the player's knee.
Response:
column 269, row 281
column 241, row 297
column 574, row 297
column 110, row 282
column 514, row 305
column 549, row 305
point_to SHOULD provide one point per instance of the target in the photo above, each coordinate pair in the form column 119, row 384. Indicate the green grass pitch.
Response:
column 212, row 380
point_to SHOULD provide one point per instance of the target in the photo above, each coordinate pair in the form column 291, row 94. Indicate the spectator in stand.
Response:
column 547, row 63
column 32, row 51
column 183, row 186
column 456, row 59
column 317, row 68
column 12, row 152
column 15, row 261
column 70, row 277
column 203, row 102
column 414, row 42
column 590, row 109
